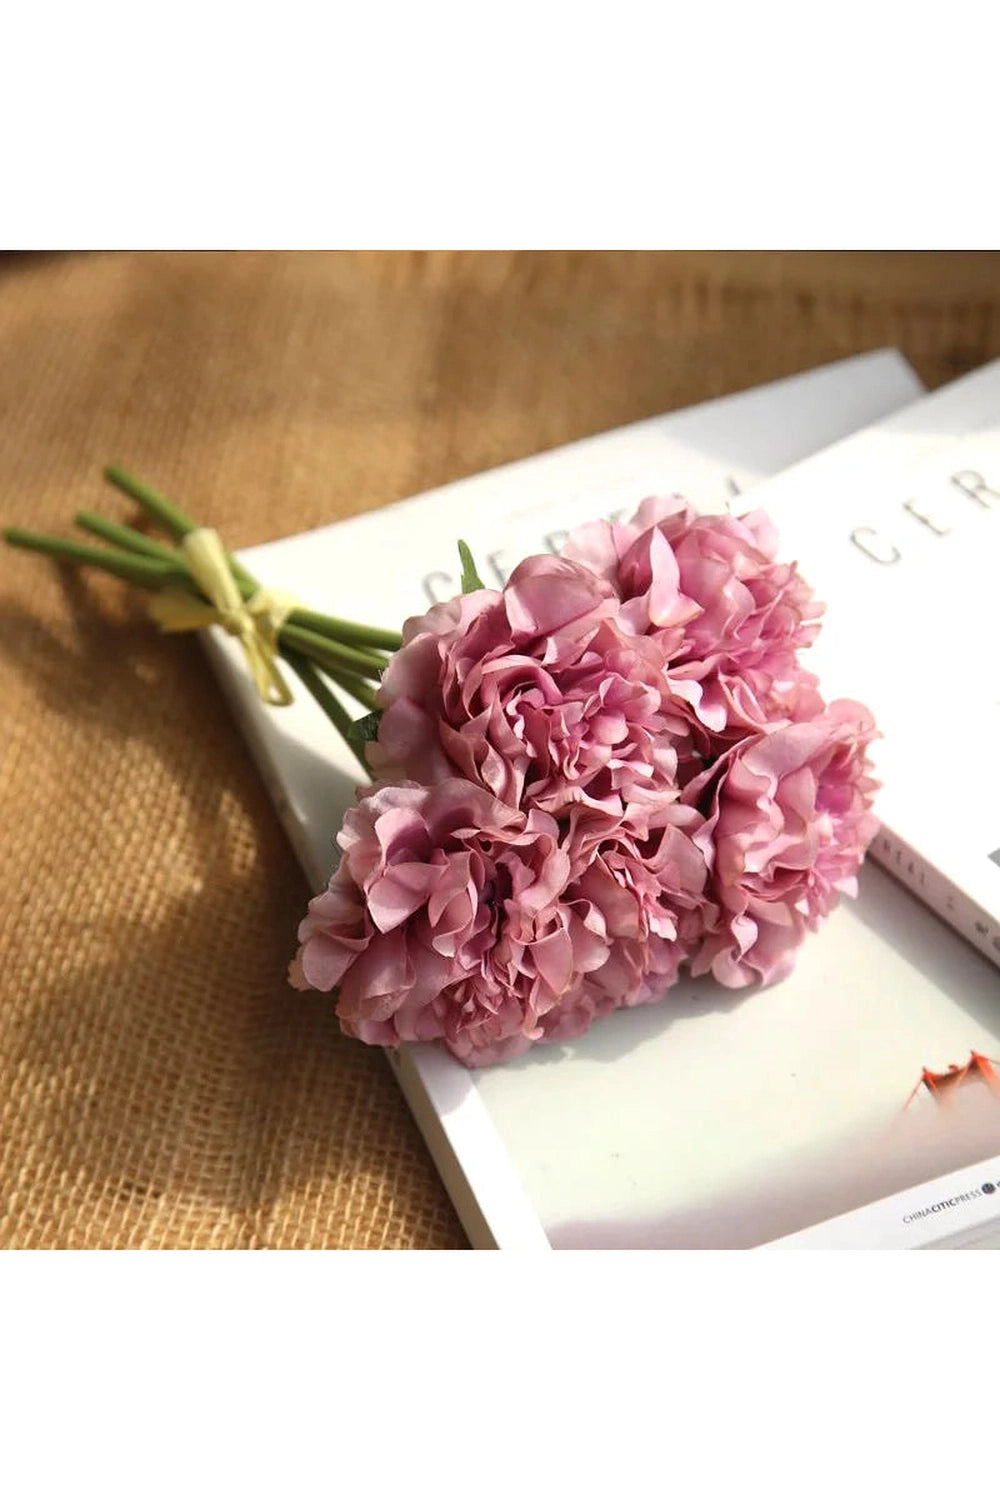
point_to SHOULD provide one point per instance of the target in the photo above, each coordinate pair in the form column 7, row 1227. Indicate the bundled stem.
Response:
column 351, row 655
column 330, row 705
column 342, row 658
column 126, row 537
column 178, row 524
column 146, row 571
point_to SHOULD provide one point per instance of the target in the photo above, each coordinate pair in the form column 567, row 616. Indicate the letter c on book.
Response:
column 439, row 586
column 868, row 539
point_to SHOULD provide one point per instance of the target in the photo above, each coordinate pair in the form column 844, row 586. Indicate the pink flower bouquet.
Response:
column 611, row 771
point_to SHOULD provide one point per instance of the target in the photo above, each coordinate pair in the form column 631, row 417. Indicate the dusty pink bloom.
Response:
column 789, row 820
column 729, row 617
column 454, row 916
column 537, row 694
column 652, row 896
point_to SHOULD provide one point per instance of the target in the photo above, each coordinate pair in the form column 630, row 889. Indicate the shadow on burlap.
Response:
column 161, row 1085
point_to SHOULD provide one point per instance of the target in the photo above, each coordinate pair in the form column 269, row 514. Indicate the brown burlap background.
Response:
column 160, row 1084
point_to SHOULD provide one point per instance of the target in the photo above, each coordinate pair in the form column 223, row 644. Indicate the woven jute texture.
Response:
column 160, row 1085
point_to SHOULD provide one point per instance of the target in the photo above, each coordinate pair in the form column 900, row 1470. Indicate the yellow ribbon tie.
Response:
column 255, row 622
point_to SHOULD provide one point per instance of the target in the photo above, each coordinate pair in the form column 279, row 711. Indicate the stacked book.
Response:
column 854, row 1103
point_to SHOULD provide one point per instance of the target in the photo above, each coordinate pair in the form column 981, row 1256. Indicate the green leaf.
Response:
column 363, row 731
column 470, row 578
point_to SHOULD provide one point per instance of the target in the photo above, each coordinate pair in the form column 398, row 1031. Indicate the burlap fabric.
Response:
column 161, row 1086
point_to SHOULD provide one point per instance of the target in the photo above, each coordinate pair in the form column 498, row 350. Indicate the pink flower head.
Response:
column 539, row 695
column 789, row 820
column 454, row 916
column 652, row 897
column 729, row 617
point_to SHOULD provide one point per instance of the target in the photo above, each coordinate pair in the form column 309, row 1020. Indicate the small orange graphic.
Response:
column 943, row 1086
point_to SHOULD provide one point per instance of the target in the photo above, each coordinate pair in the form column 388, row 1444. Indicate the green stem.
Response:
column 330, row 653
column 147, row 572
column 170, row 516
column 334, row 710
column 362, row 692
column 347, row 631
column 127, row 538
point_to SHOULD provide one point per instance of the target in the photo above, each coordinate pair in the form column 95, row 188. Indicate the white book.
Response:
column 712, row 1118
column 898, row 530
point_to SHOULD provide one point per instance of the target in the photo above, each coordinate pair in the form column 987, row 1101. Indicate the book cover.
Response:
column 714, row 1118
column 898, row 530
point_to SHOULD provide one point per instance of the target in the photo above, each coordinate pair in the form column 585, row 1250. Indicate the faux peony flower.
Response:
column 728, row 616
column 788, row 822
column 538, row 694
column 454, row 916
